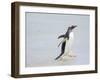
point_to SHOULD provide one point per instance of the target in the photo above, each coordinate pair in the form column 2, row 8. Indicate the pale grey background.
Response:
column 41, row 32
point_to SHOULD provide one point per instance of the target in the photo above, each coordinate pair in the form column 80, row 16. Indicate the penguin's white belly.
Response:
column 68, row 45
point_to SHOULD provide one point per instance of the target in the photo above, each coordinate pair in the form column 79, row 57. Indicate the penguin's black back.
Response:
column 63, row 47
column 62, row 50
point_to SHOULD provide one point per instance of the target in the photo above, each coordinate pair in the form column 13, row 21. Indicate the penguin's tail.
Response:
column 58, row 56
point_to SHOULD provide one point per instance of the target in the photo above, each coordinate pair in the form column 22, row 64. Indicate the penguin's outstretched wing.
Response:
column 61, row 36
column 62, row 50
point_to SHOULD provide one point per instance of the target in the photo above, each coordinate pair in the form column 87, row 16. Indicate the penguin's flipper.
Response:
column 62, row 41
column 61, row 36
column 62, row 50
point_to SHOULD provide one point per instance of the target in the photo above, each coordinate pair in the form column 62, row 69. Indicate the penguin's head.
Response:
column 70, row 29
column 73, row 26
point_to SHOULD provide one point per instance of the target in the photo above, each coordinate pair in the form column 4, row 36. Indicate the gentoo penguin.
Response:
column 66, row 42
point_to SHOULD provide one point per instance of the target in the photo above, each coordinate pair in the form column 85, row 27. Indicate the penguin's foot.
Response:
column 67, row 57
column 71, row 55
